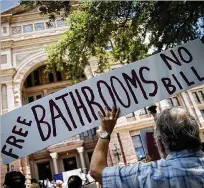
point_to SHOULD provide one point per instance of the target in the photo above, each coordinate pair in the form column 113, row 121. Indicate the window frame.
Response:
column 34, row 95
column 201, row 95
column 86, row 135
column 172, row 102
column 143, row 111
column 195, row 95
column 24, row 30
column 202, row 112
column 35, row 26
column 138, row 147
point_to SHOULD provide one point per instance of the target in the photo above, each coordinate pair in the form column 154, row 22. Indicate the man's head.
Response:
column 74, row 182
column 176, row 130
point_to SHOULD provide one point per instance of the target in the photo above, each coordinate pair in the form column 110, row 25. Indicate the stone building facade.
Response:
column 24, row 34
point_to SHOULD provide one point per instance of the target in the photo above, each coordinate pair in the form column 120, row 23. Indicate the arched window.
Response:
column 4, row 96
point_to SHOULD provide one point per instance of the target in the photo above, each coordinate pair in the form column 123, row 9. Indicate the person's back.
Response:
column 14, row 179
column 179, row 170
column 182, row 163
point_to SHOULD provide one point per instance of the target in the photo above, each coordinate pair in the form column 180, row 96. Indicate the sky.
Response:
column 6, row 4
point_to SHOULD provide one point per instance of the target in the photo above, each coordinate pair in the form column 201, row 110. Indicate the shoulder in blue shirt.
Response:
column 183, row 169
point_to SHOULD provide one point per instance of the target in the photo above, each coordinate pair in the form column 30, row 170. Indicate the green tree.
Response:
column 121, row 26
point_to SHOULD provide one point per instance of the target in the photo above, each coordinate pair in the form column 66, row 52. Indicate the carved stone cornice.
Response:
column 200, row 87
column 15, row 10
column 29, row 41
column 6, row 18
column 7, row 72
column 135, row 125
column 6, row 44
column 27, row 17
column 68, row 147
column 21, row 15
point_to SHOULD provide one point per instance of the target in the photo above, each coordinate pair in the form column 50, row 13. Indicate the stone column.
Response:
column 10, row 96
column 17, row 94
column 197, row 111
column 45, row 93
column 187, row 104
column 32, row 169
column 81, row 154
column 54, row 159
column 25, row 167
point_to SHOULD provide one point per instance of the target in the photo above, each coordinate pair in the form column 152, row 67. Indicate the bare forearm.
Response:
column 99, row 159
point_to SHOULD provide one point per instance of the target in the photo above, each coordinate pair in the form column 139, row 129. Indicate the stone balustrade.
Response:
column 65, row 142
column 74, row 139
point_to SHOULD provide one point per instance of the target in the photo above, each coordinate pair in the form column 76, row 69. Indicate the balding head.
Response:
column 177, row 130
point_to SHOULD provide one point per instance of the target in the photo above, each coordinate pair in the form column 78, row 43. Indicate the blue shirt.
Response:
column 179, row 170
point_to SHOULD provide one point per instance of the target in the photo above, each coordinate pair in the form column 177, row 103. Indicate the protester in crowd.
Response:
column 14, row 179
column 74, row 182
column 90, row 179
column 178, row 142
column 84, row 178
column 34, row 185
column 33, row 181
column 47, row 183
column 59, row 183
column 41, row 184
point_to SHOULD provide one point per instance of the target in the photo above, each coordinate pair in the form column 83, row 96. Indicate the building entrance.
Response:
column 70, row 164
column 44, row 171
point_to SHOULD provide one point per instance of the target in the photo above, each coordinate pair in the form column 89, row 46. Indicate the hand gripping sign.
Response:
column 75, row 109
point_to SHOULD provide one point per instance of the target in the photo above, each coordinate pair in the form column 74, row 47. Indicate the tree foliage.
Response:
column 50, row 7
column 121, row 31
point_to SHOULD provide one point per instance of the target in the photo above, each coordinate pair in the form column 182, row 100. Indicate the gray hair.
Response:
column 177, row 130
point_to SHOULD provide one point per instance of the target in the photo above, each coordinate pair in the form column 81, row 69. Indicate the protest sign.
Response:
column 75, row 109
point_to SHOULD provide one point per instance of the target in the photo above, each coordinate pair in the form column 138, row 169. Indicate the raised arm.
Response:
column 99, row 157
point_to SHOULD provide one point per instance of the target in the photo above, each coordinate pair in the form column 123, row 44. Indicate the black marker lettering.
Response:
column 81, row 106
column 41, row 121
column 90, row 101
column 12, row 140
column 67, row 108
column 110, row 93
column 180, row 86
column 196, row 74
column 59, row 115
column 116, row 94
column 9, row 153
column 166, row 59
column 148, row 81
column 134, row 80
column 186, row 79
column 168, row 85
column 23, row 121
column 180, row 49
column 19, row 132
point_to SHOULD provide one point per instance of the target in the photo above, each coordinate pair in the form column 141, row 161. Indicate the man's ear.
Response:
column 161, row 148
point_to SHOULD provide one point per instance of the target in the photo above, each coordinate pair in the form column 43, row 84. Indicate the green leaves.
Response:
column 120, row 31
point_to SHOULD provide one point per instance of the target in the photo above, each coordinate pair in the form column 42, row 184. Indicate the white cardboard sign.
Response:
column 75, row 109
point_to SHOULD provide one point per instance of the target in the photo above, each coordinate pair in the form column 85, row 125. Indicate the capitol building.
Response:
column 24, row 34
